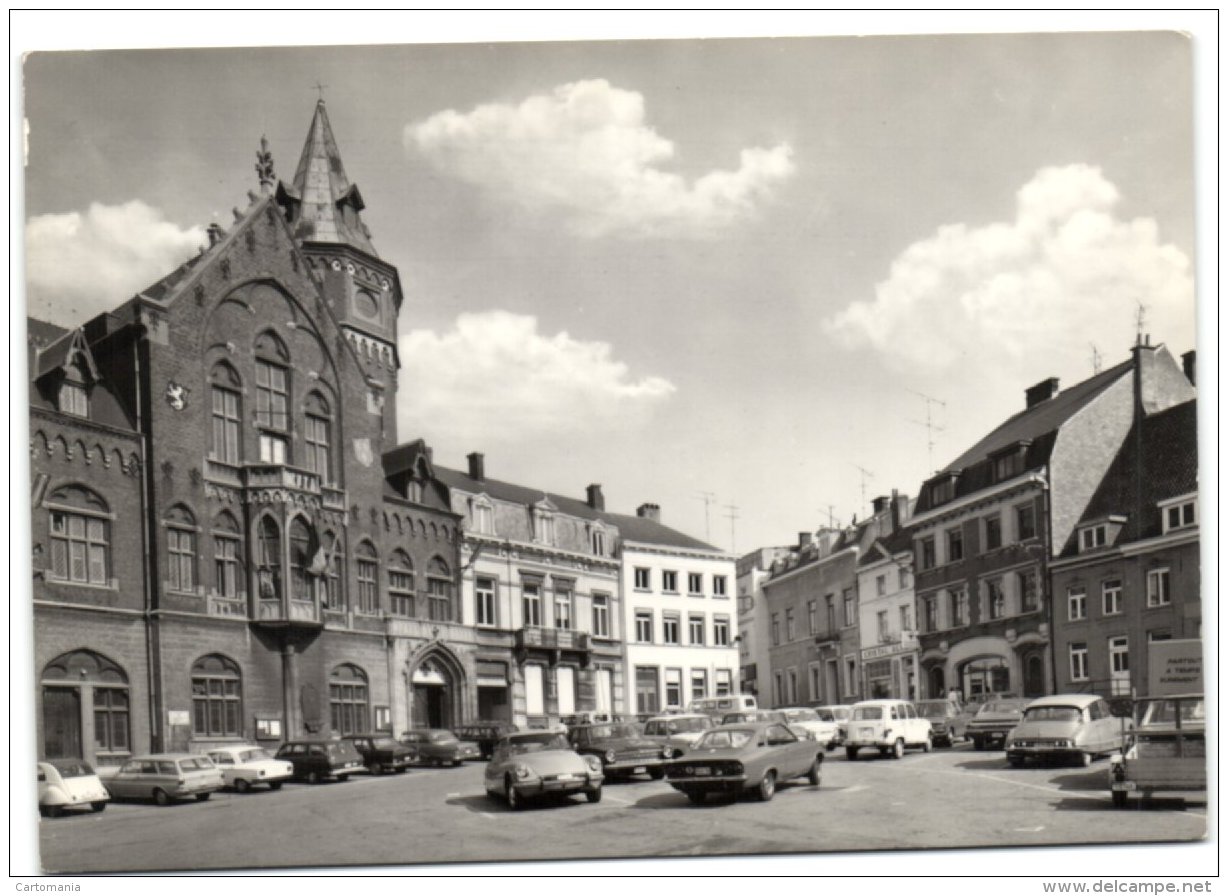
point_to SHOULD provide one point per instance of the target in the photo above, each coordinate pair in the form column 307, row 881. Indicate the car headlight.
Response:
column 666, row 753
column 609, row 755
column 594, row 764
column 522, row 772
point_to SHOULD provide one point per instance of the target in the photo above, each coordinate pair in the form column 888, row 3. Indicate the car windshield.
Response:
column 825, row 714
column 932, row 708
column 998, row 706
column 867, row 712
column 802, row 715
column 385, row 743
column 724, row 740
column 255, row 754
column 734, row 717
column 1164, row 712
column 535, row 743
column 612, row 731
column 684, row 726
column 73, row 769
column 1052, row 714
column 342, row 750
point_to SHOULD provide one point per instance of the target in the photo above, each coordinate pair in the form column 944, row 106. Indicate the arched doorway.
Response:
column 1033, row 675
column 436, row 691
column 936, row 682
column 983, row 676
column 85, row 711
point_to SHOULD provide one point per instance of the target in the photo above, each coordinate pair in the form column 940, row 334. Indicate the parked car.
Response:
column 485, row 734
column 994, row 720
column 164, row 778
column 621, row 749
column 838, row 713
column 947, row 719
column 437, row 746
column 1167, row 751
column 825, row 731
column 718, row 706
column 890, row 726
column 677, row 732
column 319, row 759
column 589, row 717
column 753, row 757
column 69, row 784
column 1067, row 726
column 382, row 752
column 245, row 765
column 527, row 765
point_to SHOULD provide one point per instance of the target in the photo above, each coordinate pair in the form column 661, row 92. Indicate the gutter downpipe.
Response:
column 155, row 719
column 1047, row 578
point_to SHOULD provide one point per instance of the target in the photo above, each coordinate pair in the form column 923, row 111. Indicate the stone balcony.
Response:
column 276, row 483
column 288, row 614
column 553, row 643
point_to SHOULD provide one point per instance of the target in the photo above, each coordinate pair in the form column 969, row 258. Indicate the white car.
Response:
column 889, row 726
column 825, row 732
column 678, row 732
column 69, row 784
column 245, row 765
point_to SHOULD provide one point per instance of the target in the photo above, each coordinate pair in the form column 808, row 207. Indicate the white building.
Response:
column 887, row 613
column 679, row 615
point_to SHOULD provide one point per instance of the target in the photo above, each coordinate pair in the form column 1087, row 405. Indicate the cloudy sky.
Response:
column 745, row 268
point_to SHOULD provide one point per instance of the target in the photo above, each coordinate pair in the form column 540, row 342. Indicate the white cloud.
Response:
column 494, row 374
column 1064, row 274
column 79, row 265
column 585, row 150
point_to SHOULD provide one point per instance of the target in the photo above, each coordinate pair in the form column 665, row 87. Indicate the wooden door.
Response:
column 62, row 723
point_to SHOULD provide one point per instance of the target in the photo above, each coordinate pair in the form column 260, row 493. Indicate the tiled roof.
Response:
column 41, row 333
column 637, row 528
column 1168, row 446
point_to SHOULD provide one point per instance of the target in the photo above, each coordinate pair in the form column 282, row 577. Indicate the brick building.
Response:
column 753, row 644
column 228, row 541
column 988, row 524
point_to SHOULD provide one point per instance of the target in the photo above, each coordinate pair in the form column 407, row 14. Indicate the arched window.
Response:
column 272, row 397
column 225, row 389
column 301, row 550
column 79, row 685
column 368, row 579
column 439, row 590
column 269, row 558
column 80, row 536
column 331, row 546
column 217, row 697
column 180, row 549
column 227, row 540
column 483, row 514
column 347, row 699
column 401, row 584
column 317, row 426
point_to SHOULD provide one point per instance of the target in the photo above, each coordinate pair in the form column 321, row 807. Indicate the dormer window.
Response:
column 1180, row 513
column 1009, row 462
column 73, row 399
column 597, row 541
column 543, row 524
column 1093, row 537
column 942, row 490
column 483, row 515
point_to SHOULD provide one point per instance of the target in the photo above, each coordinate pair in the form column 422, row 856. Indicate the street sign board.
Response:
column 1174, row 667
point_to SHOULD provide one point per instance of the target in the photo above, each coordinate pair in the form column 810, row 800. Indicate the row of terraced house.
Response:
column 231, row 543
column 1047, row 558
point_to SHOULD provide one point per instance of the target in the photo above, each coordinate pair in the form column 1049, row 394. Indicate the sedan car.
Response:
column 438, row 746
column 164, row 778
column 752, row 757
column 69, row 784
column 677, row 732
column 948, row 721
column 382, row 753
column 527, row 765
column 620, row 748
column 839, row 714
column 825, row 731
column 1067, row 726
column 485, row 734
column 994, row 720
column 1168, row 751
column 245, row 765
column 317, row 760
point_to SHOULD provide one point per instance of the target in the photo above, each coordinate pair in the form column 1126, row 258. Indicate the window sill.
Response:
column 112, row 585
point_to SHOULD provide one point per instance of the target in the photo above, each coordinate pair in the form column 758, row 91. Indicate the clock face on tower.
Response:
column 366, row 304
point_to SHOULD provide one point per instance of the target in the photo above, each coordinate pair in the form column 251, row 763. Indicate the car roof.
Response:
column 883, row 702
column 165, row 756
column 1065, row 700
column 673, row 717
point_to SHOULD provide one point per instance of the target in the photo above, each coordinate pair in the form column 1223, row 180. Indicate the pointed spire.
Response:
column 264, row 166
column 328, row 204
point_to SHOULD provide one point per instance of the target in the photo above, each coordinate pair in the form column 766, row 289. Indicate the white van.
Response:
column 717, row 707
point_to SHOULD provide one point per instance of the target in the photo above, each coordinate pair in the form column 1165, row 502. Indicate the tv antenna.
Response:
column 865, row 474
column 1097, row 359
column 707, row 498
column 732, row 515
column 832, row 522
column 930, row 426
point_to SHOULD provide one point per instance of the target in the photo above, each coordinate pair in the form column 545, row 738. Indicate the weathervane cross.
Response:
column 320, row 87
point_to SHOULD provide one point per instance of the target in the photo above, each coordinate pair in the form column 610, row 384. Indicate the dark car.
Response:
column 994, row 720
column 745, row 757
column 485, row 734
column 381, row 752
column 622, row 749
column 319, row 760
column 437, row 746
column 947, row 719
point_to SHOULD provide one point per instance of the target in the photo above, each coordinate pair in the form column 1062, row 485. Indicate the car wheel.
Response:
column 201, row 797
column 767, row 786
column 313, row 777
column 161, row 797
column 1085, row 759
column 593, row 796
column 850, row 753
column 929, row 743
column 242, row 785
column 1120, row 799
column 275, row 785
column 897, row 748
column 50, row 811
column 455, row 763
column 1015, row 761
column 99, row 806
column 696, row 796
column 514, row 802
column 813, row 774
column 656, row 773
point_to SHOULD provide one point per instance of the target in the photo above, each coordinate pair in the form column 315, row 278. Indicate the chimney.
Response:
column 215, row 233
column 596, row 500
column 1042, row 391
column 477, row 466
column 880, row 504
column 649, row 512
column 803, row 539
column 1187, row 364
column 899, row 510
